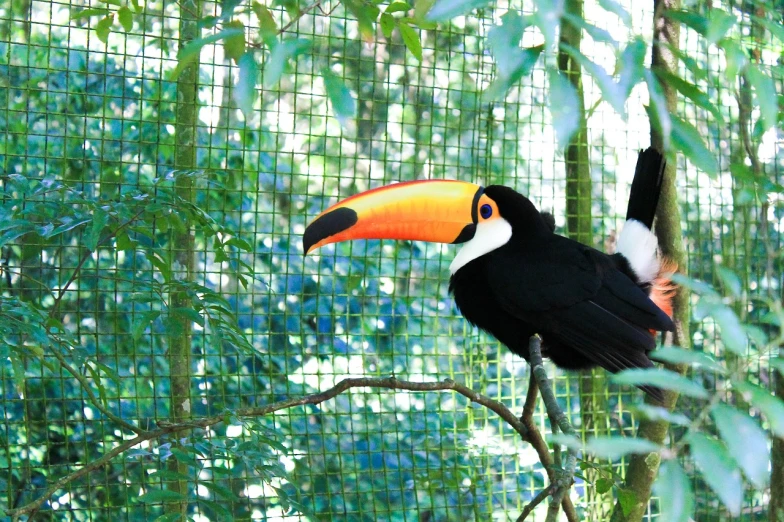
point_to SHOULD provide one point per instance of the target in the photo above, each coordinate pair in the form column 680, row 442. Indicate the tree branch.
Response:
column 534, row 437
column 563, row 478
column 167, row 428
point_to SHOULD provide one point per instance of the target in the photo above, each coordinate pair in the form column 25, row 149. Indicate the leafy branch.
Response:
column 525, row 427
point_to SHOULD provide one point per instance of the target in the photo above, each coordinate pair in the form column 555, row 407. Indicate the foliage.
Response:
column 336, row 98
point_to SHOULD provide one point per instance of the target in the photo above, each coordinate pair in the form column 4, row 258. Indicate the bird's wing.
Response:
column 577, row 296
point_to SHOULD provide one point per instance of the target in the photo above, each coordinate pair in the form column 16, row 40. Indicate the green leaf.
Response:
column 729, row 281
column 765, row 90
column 104, row 27
column 418, row 22
column 160, row 264
column 695, row 285
column 162, row 495
column 189, row 53
column 547, row 18
column 93, row 235
column 690, row 91
column 603, row 485
column 444, row 10
column 267, row 25
column 219, row 491
column 690, row 19
column 675, row 355
column 366, row 15
column 411, row 39
column 606, row 447
column 143, row 322
column 343, row 103
column 125, row 17
column 657, row 413
column 234, row 45
column 631, row 67
column 617, row 447
column 658, row 113
column 280, row 55
column 744, row 173
column 733, row 336
column 673, row 488
column 113, row 375
column 688, row 140
column 88, row 13
column 611, row 91
column 774, row 26
column 512, row 63
column 397, row 7
column 661, row 378
column 718, row 469
column 627, row 498
column 746, row 442
column 169, row 517
column 596, row 33
column 166, row 474
column 189, row 313
column 772, row 407
column 217, row 507
column 736, row 58
column 97, row 380
column 617, row 9
column 388, row 24
column 240, row 243
column 245, row 90
column 504, row 43
column 564, row 107
column 719, row 23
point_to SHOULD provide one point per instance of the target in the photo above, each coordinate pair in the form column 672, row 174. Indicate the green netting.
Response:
column 91, row 134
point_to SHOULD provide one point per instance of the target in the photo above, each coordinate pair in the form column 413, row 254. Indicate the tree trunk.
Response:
column 643, row 468
column 181, row 244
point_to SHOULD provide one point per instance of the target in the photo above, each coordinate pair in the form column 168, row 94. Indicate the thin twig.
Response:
column 538, row 499
column 563, row 478
column 300, row 15
column 166, row 428
column 534, row 437
column 63, row 362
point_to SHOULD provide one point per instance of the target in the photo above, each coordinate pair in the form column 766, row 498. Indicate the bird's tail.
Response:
column 637, row 243
column 646, row 187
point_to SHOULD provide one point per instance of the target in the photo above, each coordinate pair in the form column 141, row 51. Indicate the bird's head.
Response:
column 437, row 211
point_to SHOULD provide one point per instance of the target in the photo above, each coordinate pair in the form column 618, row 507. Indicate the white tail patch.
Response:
column 640, row 247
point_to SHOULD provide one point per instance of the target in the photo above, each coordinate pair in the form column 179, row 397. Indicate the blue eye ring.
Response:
column 485, row 211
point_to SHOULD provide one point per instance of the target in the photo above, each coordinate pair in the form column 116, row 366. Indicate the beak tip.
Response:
column 327, row 225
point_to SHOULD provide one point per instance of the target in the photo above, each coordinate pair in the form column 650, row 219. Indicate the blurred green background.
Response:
column 151, row 249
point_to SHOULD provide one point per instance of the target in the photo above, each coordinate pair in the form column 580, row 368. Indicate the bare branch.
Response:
column 561, row 480
column 534, row 437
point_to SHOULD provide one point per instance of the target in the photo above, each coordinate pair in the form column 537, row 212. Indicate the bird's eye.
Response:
column 485, row 211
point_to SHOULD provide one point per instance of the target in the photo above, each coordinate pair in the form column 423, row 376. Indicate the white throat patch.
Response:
column 489, row 235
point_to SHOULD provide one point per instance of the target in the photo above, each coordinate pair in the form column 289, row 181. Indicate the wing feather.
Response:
column 578, row 297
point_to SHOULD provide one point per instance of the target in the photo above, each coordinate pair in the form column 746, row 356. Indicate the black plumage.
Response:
column 588, row 306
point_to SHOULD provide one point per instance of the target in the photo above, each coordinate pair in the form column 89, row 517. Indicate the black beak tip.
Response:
column 328, row 225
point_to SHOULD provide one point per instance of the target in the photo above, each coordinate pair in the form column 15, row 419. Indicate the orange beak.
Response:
column 438, row 211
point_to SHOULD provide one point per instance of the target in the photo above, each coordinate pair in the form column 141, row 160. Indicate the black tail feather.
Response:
column 646, row 187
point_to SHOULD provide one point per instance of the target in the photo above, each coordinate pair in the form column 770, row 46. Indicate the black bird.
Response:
column 513, row 277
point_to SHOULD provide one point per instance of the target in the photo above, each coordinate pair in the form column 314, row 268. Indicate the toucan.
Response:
column 514, row 277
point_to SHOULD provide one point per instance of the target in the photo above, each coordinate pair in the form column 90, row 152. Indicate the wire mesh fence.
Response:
column 95, row 286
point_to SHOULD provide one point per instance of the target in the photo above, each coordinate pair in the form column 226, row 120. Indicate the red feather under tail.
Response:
column 663, row 289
